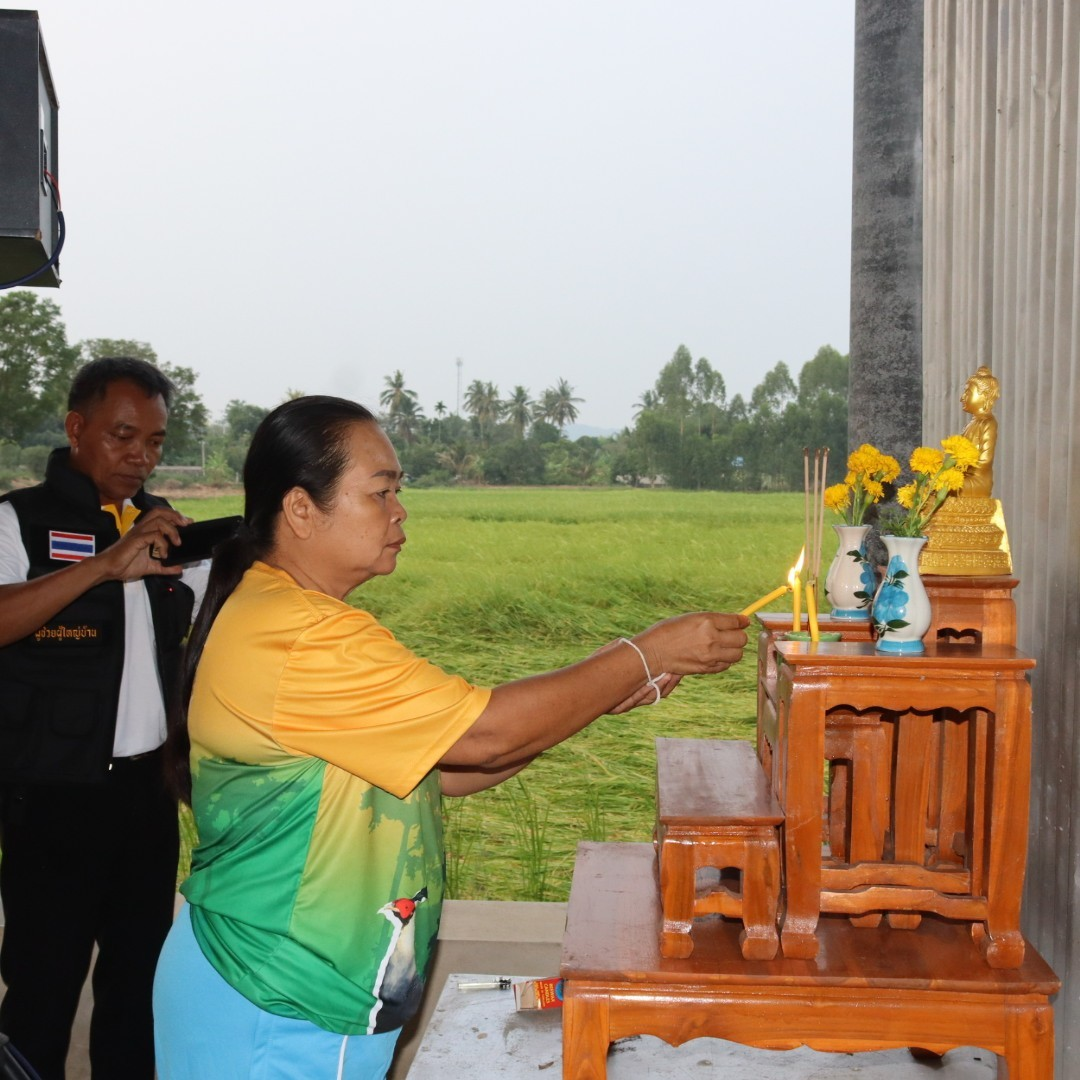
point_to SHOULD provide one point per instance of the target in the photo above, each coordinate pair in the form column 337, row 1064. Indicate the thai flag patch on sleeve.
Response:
column 70, row 547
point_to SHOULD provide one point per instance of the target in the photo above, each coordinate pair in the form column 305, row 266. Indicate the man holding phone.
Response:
column 91, row 628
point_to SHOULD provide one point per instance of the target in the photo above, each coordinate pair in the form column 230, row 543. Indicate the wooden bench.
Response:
column 715, row 810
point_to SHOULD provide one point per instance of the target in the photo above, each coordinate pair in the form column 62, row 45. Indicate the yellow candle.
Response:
column 768, row 598
column 811, row 611
column 795, row 582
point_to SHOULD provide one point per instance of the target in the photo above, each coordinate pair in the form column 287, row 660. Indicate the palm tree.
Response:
column 404, row 420
column 649, row 400
column 396, row 392
column 440, row 412
column 518, row 409
column 483, row 404
column 558, row 404
column 457, row 460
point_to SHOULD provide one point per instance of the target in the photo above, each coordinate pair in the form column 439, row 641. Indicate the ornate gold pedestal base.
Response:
column 967, row 537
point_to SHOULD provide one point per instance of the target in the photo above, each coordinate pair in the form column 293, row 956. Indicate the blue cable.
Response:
column 61, row 229
column 13, row 1066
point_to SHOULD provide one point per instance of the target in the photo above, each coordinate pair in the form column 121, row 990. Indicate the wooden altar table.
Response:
column 868, row 989
column 939, row 820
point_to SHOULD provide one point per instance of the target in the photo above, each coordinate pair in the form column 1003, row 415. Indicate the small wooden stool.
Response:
column 714, row 808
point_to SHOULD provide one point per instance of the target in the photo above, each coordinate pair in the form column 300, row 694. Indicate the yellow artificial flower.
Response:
column 962, row 450
column 868, row 471
column 949, row 479
column 837, row 497
column 935, row 473
column 888, row 469
column 926, row 460
column 906, row 496
column 863, row 460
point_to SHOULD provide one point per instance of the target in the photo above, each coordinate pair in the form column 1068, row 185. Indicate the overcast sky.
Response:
column 310, row 196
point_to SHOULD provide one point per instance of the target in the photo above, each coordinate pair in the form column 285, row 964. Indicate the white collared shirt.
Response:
column 140, row 712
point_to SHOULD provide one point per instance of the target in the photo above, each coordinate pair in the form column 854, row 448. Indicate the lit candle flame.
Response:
column 796, row 570
column 768, row 598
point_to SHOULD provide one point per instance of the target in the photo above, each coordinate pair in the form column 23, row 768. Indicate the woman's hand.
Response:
column 701, row 643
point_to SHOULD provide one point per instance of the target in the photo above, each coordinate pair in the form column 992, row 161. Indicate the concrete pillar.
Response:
column 886, row 228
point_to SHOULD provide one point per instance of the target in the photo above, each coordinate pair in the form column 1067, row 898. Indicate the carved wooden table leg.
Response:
column 585, row 1034
column 1029, row 1042
column 801, row 739
column 676, row 859
column 1003, row 944
column 760, row 893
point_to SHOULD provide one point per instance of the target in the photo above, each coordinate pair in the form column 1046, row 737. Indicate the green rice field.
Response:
column 497, row 583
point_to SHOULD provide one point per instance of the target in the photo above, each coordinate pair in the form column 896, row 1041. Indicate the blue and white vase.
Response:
column 851, row 581
column 901, row 608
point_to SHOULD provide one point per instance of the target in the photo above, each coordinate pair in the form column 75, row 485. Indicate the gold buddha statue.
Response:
column 967, row 535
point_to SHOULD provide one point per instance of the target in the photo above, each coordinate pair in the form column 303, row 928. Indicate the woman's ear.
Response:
column 298, row 513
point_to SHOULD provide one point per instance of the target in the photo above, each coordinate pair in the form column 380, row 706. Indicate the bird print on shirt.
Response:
column 397, row 981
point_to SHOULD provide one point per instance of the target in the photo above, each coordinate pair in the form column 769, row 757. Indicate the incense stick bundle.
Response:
column 814, row 525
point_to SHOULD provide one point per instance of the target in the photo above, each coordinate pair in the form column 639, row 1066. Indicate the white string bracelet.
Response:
column 649, row 680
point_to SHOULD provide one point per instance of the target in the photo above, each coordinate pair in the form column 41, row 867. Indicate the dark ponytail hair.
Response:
column 302, row 443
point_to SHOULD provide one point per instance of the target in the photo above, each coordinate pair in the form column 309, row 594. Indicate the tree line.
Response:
column 686, row 433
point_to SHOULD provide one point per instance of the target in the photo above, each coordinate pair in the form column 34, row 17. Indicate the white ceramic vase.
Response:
column 901, row 608
column 851, row 581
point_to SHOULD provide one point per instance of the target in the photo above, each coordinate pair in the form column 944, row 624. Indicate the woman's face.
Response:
column 361, row 534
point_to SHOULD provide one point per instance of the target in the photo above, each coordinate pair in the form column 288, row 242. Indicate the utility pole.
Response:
column 457, row 411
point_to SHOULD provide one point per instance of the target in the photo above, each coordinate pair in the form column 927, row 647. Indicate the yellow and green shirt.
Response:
column 317, row 882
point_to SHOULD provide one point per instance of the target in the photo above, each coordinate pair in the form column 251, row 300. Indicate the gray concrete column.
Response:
column 886, row 228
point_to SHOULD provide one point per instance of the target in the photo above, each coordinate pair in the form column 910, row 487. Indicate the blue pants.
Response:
column 206, row 1030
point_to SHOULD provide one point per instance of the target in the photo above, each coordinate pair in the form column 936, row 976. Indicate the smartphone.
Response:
column 198, row 540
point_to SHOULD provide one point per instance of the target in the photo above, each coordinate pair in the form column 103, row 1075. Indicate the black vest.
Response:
column 60, row 685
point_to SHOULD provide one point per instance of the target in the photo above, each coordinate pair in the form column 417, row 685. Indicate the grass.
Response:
column 498, row 583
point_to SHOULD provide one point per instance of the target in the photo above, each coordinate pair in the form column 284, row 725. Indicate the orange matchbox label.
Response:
column 539, row 993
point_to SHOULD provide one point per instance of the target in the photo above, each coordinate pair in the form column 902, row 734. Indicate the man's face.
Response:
column 117, row 441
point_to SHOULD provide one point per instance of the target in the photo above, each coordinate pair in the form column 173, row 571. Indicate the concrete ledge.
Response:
column 495, row 937
column 502, row 920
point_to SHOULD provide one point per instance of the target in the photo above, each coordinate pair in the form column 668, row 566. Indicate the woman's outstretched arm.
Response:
column 530, row 715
